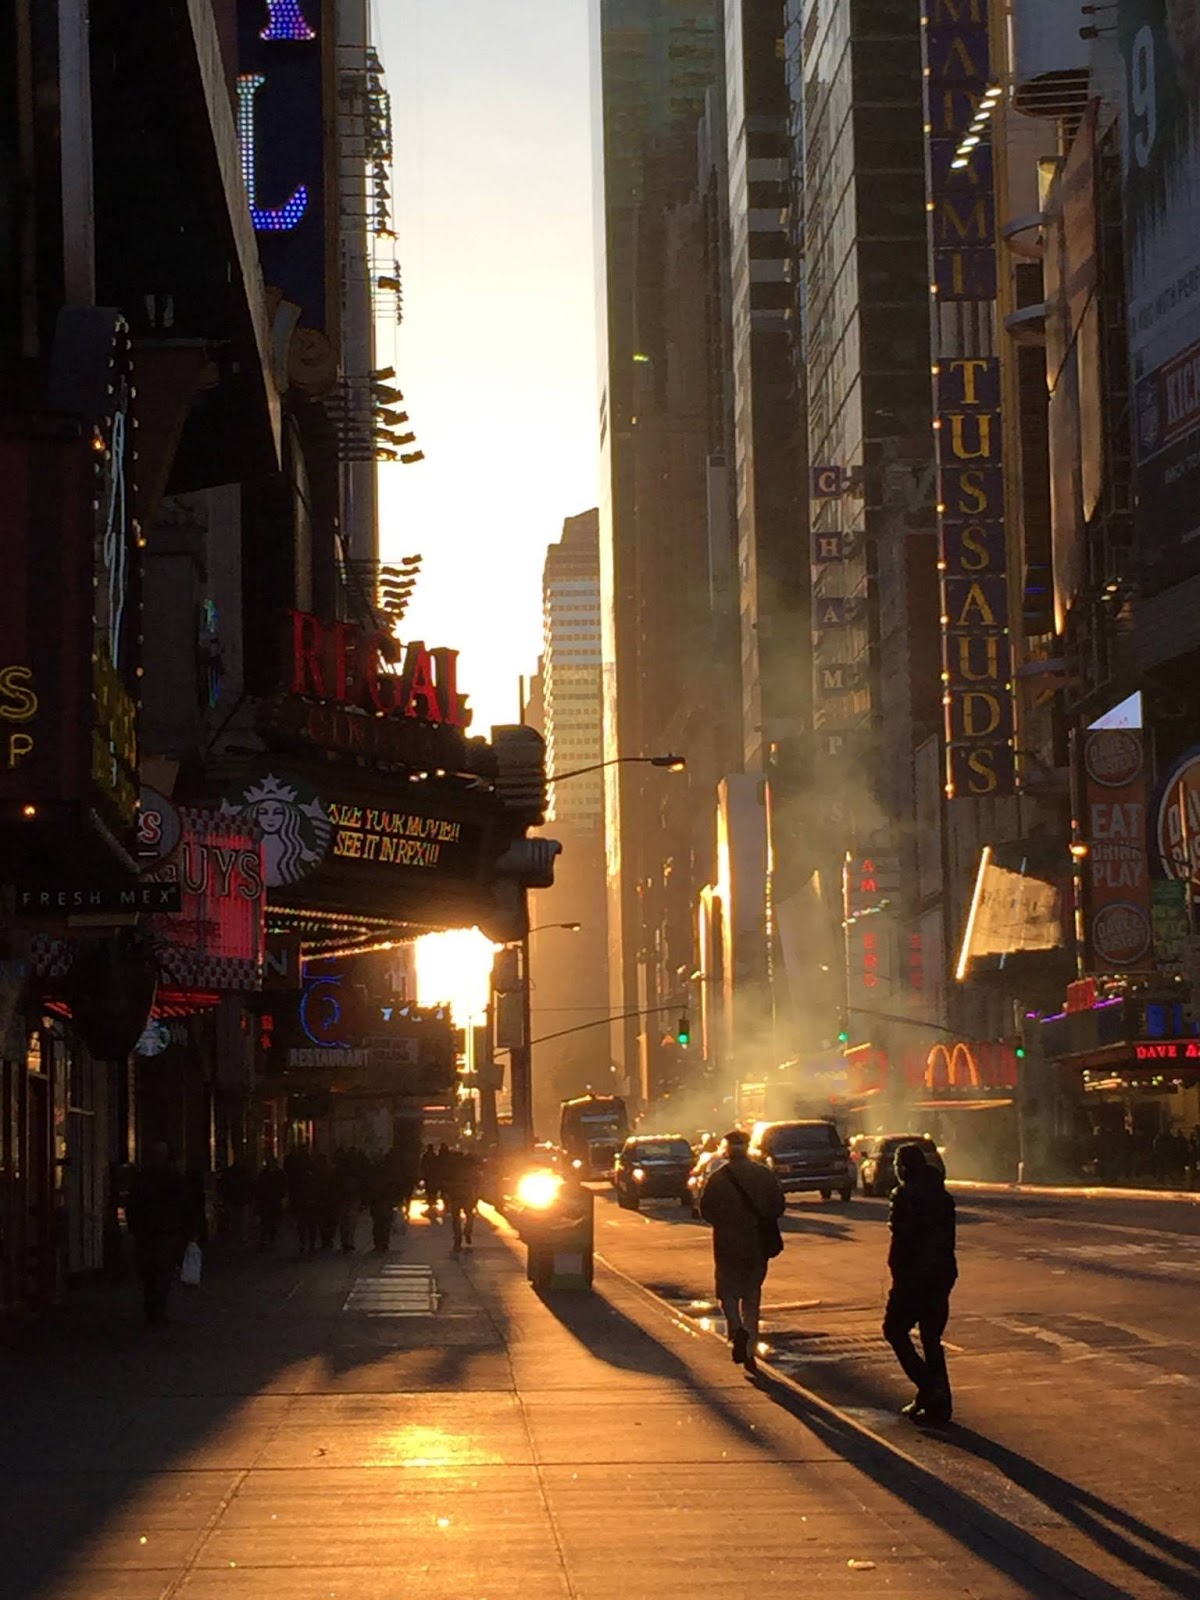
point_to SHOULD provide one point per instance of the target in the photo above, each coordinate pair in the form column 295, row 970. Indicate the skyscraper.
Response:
column 654, row 64
column 571, row 672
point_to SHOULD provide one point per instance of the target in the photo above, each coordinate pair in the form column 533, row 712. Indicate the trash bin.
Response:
column 555, row 1217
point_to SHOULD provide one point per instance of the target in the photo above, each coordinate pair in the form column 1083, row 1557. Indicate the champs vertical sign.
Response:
column 976, row 649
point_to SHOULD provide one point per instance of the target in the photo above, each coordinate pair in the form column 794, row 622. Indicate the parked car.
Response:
column 877, row 1171
column 653, row 1167
column 804, row 1156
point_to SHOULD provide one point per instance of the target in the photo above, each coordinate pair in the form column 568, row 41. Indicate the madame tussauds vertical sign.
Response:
column 961, row 95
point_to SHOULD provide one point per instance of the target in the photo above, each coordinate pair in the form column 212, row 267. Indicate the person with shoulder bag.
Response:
column 743, row 1202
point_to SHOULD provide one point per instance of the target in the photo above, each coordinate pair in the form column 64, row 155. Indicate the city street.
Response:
column 1072, row 1350
column 342, row 1427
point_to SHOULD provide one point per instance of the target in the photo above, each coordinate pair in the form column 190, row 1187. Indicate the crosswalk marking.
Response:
column 399, row 1291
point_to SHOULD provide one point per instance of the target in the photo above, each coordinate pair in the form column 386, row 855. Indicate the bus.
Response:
column 591, row 1130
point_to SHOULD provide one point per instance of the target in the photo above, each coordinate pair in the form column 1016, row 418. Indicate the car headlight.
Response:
column 539, row 1190
column 639, row 1174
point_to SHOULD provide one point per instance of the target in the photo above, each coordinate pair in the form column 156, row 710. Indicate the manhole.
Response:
column 399, row 1291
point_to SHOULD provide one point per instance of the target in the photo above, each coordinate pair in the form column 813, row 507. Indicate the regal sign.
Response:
column 370, row 671
column 976, row 653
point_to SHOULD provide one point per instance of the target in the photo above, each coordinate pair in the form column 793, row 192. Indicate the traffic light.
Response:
column 843, row 1028
column 1020, row 1052
column 683, row 1033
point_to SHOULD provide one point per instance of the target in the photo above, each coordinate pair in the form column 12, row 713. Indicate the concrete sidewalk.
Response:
column 424, row 1426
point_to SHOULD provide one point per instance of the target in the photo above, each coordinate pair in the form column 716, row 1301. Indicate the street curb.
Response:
column 1036, row 1191
column 1060, row 1569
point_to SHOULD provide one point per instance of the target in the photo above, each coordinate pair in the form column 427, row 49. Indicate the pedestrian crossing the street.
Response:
column 400, row 1290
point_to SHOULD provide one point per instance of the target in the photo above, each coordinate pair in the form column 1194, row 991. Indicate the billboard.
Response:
column 1160, row 46
column 1117, row 908
column 70, row 605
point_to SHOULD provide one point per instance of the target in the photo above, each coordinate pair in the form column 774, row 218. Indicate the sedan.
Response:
column 653, row 1168
column 877, row 1171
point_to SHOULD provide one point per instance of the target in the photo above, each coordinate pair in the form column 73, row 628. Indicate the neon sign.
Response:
column 267, row 219
column 339, row 661
column 282, row 95
column 286, row 21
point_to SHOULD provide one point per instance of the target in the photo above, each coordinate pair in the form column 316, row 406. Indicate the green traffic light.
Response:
column 843, row 1037
column 1020, row 1052
column 683, row 1034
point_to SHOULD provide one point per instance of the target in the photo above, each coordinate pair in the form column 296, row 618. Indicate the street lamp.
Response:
column 567, row 927
column 670, row 762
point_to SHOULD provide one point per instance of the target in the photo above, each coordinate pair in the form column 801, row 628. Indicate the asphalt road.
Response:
column 1074, row 1350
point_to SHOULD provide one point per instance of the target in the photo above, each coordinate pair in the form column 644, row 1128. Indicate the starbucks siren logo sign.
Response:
column 295, row 825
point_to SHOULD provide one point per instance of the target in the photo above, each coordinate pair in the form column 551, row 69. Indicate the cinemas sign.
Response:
column 976, row 653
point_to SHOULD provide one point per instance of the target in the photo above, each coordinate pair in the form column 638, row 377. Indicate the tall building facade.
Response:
column 664, row 521
column 857, row 123
column 572, row 705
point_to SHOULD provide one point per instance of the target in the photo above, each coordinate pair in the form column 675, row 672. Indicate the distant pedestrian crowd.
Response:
column 317, row 1199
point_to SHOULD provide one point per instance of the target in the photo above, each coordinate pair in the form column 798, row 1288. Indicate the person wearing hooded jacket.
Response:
column 924, row 1270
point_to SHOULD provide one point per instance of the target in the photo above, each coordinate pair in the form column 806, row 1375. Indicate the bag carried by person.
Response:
column 189, row 1272
column 769, row 1235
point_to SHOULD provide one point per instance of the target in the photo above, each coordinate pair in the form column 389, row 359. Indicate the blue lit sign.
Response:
column 267, row 219
column 286, row 21
column 281, row 131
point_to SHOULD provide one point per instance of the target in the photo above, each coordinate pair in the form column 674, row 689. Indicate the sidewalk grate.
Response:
column 398, row 1291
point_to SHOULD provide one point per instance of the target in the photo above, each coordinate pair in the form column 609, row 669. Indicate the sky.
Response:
column 496, row 355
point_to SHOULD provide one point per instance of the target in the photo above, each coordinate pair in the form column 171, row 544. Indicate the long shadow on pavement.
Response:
column 1171, row 1562
column 96, row 1408
column 607, row 1333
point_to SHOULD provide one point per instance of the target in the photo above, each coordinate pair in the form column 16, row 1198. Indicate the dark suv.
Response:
column 653, row 1167
column 804, row 1156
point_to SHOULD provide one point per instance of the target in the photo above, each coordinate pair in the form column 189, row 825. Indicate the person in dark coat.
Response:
column 924, row 1270
column 351, row 1193
column 270, row 1191
column 162, row 1221
column 742, row 1201
column 303, row 1185
column 382, row 1200
column 460, row 1185
column 327, row 1200
column 430, row 1180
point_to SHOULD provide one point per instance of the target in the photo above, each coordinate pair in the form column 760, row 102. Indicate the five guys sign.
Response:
column 357, row 667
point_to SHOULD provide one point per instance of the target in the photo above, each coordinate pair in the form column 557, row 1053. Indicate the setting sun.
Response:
column 453, row 969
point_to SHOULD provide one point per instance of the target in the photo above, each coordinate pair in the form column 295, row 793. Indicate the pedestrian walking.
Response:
column 924, row 1271
column 350, row 1170
column 236, row 1188
column 162, row 1222
column 460, row 1184
column 326, row 1200
column 430, row 1180
column 382, row 1199
column 270, row 1191
column 743, row 1202
column 302, row 1197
